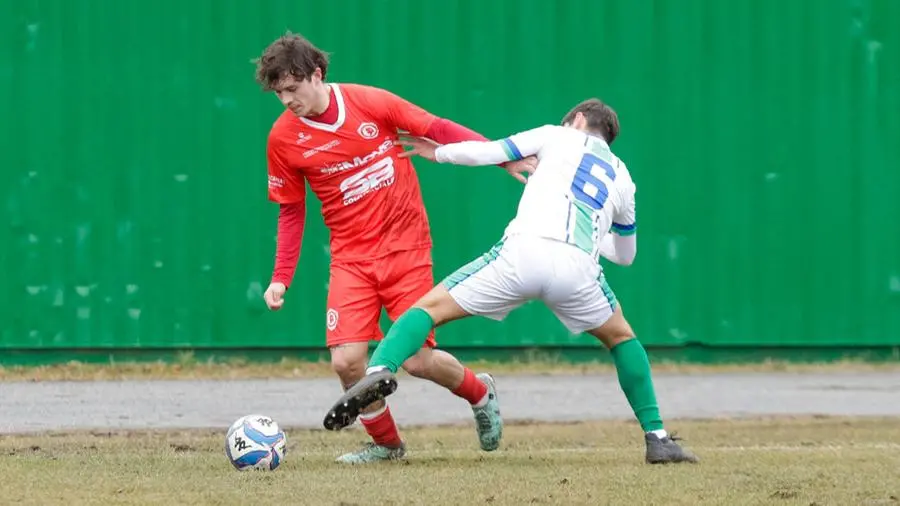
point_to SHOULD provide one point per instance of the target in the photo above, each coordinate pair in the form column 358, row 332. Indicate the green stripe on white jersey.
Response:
column 580, row 188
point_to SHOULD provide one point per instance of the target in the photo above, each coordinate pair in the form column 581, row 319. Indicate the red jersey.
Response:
column 371, row 200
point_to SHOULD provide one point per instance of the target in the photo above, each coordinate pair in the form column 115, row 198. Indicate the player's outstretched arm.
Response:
column 418, row 122
column 471, row 153
column 445, row 131
column 513, row 148
column 474, row 153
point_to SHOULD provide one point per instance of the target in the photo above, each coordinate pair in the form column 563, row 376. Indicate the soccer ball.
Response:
column 255, row 442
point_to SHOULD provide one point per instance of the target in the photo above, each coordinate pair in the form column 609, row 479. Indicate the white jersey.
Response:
column 579, row 192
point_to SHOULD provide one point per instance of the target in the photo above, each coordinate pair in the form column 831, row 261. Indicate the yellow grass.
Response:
column 806, row 461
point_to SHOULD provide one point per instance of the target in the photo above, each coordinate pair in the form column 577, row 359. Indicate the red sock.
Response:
column 382, row 428
column 471, row 389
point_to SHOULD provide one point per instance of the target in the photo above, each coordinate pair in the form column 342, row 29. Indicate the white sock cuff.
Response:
column 484, row 400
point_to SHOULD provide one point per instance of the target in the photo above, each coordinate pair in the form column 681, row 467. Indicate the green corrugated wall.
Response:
column 763, row 136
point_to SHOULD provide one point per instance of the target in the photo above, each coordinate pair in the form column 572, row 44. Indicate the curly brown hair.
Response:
column 289, row 55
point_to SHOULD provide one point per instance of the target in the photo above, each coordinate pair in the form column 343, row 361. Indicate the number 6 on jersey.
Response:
column 588, row 187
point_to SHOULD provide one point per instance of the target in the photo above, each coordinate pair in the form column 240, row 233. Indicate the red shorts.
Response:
column 357, row 291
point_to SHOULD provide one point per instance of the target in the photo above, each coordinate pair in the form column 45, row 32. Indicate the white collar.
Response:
column 342, row 113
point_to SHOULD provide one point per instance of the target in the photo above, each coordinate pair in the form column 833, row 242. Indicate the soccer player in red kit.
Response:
column 341, row 139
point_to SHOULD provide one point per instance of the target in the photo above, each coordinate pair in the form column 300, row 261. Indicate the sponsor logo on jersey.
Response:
column 373, row 178
column 359, row 161
column 323, row 147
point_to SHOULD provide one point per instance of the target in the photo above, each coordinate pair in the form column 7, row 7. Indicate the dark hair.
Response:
column 601, row 118
column 289, row 55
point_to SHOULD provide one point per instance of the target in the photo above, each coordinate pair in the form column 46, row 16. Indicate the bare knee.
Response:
column 348, row 371
column 349, row 363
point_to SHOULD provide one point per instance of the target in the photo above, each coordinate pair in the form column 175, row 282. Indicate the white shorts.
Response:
column 523, row 268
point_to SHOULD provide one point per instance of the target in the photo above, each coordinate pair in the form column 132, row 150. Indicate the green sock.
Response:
column 633, row 368
column 403, row 340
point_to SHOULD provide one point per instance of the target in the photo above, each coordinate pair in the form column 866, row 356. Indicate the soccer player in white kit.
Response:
column 578, row 205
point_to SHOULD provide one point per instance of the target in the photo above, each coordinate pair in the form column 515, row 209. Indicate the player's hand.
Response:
column 420, row 147
column 274, row 296
column 526, row 165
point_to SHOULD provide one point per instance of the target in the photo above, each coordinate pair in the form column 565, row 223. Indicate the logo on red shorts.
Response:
column 331, row 319
column 367, row 130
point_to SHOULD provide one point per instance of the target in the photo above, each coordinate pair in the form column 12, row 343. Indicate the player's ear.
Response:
column 580, row 122
column 316, row 76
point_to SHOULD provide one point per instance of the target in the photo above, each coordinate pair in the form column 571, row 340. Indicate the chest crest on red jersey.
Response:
column 367, row 130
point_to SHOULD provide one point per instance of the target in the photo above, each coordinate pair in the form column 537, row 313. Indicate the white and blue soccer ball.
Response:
column 255, row 442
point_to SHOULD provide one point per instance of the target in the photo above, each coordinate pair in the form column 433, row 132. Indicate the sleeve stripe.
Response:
column 624, row 229
column 511, row 149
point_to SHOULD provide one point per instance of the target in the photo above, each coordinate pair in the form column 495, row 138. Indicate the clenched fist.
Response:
column 274, row 296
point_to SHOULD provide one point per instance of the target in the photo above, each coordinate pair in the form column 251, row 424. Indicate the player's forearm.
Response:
column 472, row 153
column 291, row 218
column 444, row 131
column 619, row 249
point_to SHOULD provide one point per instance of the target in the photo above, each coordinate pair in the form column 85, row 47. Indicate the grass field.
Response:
column 808, row 461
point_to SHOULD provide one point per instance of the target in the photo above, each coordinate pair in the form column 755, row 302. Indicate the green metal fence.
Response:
column 762, row 135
